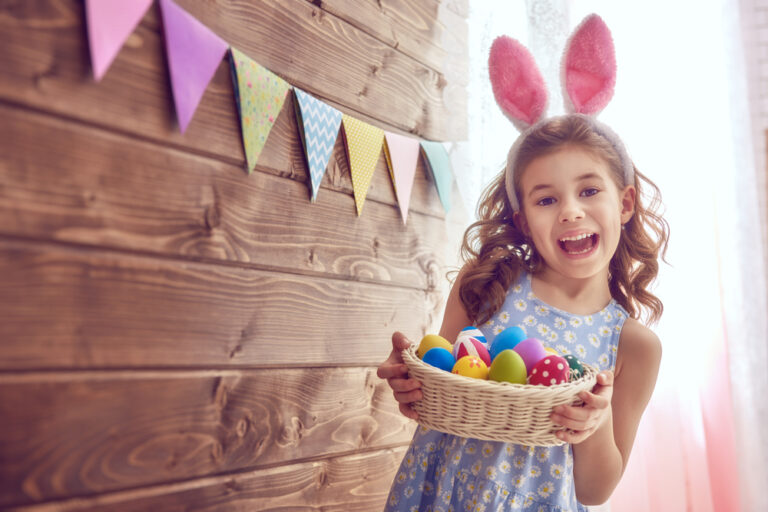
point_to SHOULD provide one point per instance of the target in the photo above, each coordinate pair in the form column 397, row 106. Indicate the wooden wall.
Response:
column 177, row 335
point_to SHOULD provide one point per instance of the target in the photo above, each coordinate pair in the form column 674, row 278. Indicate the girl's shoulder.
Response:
column 639, row 346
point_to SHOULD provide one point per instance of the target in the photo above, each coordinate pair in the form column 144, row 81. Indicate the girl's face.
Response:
column 573, row 211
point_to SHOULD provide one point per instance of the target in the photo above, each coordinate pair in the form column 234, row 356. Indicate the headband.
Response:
column 588, row 77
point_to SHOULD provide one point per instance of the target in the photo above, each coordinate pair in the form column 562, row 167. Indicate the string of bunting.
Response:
column 194, row 53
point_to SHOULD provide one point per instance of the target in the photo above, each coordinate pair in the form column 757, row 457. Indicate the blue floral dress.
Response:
column 442, row 472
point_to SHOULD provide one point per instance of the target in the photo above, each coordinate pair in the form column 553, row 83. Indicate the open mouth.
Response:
column 579, row 244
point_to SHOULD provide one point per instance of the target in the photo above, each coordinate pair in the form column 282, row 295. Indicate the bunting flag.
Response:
column 260, row 95
column 318, row 128
column 110, row 22
column 194, row 53
column 363, row 148
column 402, row 156
column 439, row 166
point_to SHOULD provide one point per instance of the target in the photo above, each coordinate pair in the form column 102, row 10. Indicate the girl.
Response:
column 564, row 248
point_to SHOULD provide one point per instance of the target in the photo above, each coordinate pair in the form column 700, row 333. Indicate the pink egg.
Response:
column 468, row 346
column 532, row 351
column 550, row 370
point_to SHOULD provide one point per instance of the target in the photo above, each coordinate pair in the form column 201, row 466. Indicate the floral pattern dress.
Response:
column 443, row 472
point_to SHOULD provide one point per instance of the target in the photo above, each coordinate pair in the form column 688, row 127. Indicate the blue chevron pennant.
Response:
column 319, row 127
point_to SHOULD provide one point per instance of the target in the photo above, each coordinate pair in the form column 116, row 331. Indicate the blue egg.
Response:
column 474, row 332
column 506, row 339
column 440, row 358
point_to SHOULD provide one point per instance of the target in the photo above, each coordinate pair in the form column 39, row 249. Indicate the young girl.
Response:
column 564, row 248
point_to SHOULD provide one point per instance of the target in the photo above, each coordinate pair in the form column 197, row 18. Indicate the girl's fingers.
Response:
column 409, row 396
column 404, row 385
column 408, row 412
column 389, row 371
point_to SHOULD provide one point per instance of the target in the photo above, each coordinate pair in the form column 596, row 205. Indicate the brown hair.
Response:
column 496, row 251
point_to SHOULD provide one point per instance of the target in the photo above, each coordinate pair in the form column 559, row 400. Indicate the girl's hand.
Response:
column 581, row 422
column 405, row 389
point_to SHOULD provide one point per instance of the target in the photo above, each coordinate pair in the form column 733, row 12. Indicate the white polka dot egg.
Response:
column 550, row 370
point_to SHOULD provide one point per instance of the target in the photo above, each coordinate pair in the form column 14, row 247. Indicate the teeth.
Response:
column 577, row 237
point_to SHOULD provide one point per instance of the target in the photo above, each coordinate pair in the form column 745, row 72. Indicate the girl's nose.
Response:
column 571, row 211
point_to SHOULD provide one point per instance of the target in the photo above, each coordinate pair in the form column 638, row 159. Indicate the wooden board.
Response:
column 77, row 433
column 44, row 51
column 81, row 185
column 354, row 483
column 69, row 307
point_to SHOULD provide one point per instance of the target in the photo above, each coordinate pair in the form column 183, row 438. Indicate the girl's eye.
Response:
column 589, row 192
column 545, row 201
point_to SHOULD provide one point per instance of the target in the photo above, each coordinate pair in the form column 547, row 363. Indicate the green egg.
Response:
column 508, row 366
column 577, row 370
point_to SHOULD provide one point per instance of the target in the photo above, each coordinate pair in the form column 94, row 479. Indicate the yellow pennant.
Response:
column 363, row 148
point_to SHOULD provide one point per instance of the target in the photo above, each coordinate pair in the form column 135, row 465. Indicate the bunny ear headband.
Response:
column 588, row 79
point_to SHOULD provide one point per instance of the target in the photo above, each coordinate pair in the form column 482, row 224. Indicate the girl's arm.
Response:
column 603, row 431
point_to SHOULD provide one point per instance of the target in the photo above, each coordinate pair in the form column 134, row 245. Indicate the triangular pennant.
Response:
column 110, row 22
column 439, row 166
column 260, row 95
column 363, row 148
column 194, row 53
column 402, row 155
column 318, row 126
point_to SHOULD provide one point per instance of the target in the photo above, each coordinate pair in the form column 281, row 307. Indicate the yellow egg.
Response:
column 471, row 366
column 431, row 341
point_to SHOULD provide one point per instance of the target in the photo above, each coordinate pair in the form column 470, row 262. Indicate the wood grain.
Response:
column 80, row 433
column 66, row 307
column 353, row 483
column 80, row 185
column 46, row 65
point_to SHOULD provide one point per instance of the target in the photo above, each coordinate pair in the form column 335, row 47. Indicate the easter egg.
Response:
column 471, row 347
column 431, row 341
column 508, row 366
column 471, row 366
column 532, row 351
column 550, row 370
column 471, row 331
column 577, row 370
column 440, row 358
column 506, row 339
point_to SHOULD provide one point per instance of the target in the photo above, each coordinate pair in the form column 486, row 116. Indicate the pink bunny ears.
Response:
column 589, row 74
column 588, row 80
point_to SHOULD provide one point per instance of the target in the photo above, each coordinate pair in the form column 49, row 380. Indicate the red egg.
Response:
column 468, row 346
column 550, row 370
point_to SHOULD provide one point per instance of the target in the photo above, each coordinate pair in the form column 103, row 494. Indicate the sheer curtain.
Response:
column 681, row 108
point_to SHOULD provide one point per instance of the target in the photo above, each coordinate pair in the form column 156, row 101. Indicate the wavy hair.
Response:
column 495, row 251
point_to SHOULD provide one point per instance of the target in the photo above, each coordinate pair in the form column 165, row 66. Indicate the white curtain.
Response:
column 681, row 106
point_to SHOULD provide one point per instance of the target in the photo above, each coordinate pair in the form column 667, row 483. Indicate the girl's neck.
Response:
column 578, row 296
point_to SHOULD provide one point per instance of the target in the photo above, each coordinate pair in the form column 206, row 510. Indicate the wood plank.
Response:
column 78, row 433
column 78, row 184
column 354, row 483
column 427, row 31
column 66, row 307
column 44, row 51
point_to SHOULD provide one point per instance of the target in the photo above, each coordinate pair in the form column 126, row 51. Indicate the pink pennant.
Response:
column 194, row 53
column 402, row 155
column 110, row 22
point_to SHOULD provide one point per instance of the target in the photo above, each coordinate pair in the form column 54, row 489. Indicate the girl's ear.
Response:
column 521, row 223
column 628, row 196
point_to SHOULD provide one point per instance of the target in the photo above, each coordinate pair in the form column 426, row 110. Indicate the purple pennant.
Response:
column 194, row 53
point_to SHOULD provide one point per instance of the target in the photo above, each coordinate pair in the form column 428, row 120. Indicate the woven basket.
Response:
column 492, row 411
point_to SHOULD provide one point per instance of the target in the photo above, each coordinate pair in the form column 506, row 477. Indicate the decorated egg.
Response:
column 471, row 366
column 440, row 358
column 550, row 370
column 506, row 339
column 431, row 341
column 508, row 366
column 471, row 331
column 471, row 347
column 532, row 351
column 577, row 370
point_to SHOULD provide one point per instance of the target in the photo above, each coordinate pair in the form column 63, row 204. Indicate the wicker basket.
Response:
column 492, row 411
